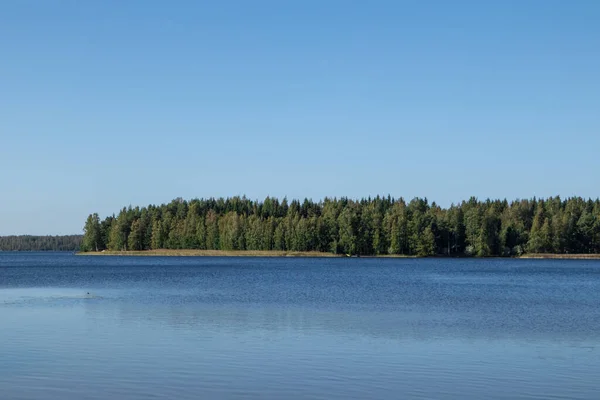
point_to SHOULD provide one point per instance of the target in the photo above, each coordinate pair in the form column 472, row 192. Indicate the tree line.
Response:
column 40, row 243
column 373, row 226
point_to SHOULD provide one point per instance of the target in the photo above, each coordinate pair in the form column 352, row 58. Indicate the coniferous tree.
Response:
column 136, row 237
column 157, row 235
column 92, row 237
column 426, row 245
column 41, row 243
column 537, row 240
column 380, row 225
column 212, row 231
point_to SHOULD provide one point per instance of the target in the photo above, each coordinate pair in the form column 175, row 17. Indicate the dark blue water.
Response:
column 74, row 327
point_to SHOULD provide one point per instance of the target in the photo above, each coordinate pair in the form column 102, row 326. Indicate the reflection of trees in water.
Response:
column 408, row 325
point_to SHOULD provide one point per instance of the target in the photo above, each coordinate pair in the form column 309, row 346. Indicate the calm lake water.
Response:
column 290, row 328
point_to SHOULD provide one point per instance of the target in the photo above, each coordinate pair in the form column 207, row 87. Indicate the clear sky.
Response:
column 109, row 103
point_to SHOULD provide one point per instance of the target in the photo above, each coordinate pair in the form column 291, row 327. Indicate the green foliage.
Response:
column 212, row 230
column 365, row 227
column 92, row 237
column 136, row 237
column 538, row 240
column 120, row 230
column 41, row 243
column 157, row 241
column 426, row 245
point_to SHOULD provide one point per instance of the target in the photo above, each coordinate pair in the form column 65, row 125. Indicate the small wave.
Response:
column 34, row 295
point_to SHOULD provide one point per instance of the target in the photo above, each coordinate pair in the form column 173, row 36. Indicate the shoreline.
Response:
column 307, row 254
column 230, row 253
column 209, row 253
column 551, row 256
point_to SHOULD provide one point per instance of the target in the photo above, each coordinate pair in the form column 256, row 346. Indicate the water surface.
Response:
column 75, row 327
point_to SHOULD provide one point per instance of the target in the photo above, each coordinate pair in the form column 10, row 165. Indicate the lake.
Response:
column 297, row 328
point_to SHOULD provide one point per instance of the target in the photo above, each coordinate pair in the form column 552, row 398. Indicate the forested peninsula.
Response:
column 373, row 226
column 40, row 243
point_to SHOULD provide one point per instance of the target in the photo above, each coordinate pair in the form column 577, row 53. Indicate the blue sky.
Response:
column 109, row 103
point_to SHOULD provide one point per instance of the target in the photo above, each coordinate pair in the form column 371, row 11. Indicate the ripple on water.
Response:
column 298, row 329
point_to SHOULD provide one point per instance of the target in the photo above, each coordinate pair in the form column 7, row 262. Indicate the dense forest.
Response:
column 373, row 226
column 40, row 243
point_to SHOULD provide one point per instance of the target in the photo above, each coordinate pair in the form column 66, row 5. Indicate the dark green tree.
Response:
column 380, row 225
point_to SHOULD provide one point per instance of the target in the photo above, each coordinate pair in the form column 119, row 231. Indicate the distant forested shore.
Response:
column 40, row 243
column 373, row 226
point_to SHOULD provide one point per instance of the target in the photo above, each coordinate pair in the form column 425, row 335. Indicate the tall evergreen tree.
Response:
column 92, row 237
column 381, row 225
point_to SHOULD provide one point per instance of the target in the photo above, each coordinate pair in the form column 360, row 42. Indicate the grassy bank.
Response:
column 564, row 256
column 212, row 253
column 275, row 253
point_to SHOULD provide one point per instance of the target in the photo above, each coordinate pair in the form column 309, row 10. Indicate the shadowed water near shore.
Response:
column 275, row 253
column 298, row 328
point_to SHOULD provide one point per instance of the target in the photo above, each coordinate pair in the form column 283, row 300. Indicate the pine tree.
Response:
column 279, row 237
column 426, row 246
column 157, row 236
column 537, row 241
column 212, row 231
column 92, row 238
column 369, row 226
column 201, row 233
column 136, row 237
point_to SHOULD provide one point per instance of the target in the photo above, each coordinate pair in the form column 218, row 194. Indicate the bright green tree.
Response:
column 92, row 237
